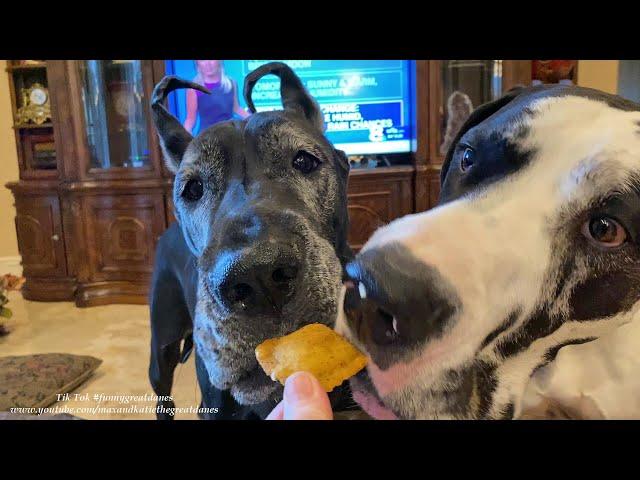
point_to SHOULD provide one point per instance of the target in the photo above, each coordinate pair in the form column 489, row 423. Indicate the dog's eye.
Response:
column 604, row 231
column 305, row 162
column 468, row 158
column 193, row 190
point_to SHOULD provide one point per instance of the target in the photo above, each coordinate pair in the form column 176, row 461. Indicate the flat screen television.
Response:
column 368, row 105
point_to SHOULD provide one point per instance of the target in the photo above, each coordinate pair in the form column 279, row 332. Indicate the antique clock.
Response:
column 36, row 107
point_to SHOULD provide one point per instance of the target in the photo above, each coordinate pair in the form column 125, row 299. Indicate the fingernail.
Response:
column 299, row 387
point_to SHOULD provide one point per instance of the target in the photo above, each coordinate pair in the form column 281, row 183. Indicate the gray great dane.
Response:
column 533, row 251
column 258, row 249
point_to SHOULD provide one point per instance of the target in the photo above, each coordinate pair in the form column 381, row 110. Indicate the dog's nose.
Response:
column 393, row 298
column 260, row 281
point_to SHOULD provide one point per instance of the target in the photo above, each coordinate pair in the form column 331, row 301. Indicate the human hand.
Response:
column 303, row 399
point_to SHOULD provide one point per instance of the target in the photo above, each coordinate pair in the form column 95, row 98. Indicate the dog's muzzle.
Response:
column 257, row 265
column 260, row 279
column 393, row 303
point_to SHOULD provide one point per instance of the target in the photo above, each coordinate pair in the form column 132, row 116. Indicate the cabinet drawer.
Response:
column 122, row 233
column 375, row 199
column 40, row 236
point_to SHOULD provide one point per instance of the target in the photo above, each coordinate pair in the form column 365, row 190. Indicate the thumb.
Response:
column 305, row 399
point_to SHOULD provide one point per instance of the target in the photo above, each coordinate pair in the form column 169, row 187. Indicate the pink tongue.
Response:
column 373, row 407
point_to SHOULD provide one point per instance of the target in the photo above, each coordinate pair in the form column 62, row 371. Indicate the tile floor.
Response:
column 118, row 334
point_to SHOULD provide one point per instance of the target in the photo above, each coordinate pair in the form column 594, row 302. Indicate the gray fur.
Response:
column 250, row 186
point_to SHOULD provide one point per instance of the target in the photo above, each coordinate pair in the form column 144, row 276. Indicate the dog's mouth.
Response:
column 366, row 396
column 254, row 386
column 227, row 339
column 251, row 385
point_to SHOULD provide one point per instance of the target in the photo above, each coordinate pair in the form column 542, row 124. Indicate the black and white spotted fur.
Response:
column 458, row 306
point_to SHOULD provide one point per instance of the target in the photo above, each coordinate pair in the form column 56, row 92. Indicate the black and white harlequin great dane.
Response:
column 534, row 246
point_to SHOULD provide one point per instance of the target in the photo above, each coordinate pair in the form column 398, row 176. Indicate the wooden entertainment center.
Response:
column 88, row 216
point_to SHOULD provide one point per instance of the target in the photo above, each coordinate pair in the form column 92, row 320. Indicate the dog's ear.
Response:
column 341, row 213
column 481, row 113
column 516, row 88
column 293, row 93
column 343, row 160
column 174, row 138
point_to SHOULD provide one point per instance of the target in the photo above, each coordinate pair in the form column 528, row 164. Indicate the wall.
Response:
column 599, row 74
column 8, row 170
column 629, row 79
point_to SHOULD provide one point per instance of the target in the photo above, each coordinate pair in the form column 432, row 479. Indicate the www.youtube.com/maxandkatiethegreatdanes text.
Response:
column 104, row 404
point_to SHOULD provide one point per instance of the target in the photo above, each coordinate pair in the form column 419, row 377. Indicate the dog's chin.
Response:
column 366, row 396
column 254, row 387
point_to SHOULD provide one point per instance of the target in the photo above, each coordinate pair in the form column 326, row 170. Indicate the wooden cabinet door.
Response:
column 122, row 234
column 40, row 238
column 375, row 199
column 433, row 182
column 170, row 209
column 110, row 119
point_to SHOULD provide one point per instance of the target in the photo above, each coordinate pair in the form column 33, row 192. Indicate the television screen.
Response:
column 368, row 105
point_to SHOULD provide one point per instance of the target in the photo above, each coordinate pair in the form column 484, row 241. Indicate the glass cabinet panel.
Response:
column 466, row 84
column 113, row 100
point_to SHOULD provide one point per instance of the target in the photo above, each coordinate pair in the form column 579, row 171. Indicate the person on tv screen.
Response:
column 220, row 105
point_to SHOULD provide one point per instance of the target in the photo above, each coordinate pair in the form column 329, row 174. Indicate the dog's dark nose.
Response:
column 393, row 298
column 257, row 281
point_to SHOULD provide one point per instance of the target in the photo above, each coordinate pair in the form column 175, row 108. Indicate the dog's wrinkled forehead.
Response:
column 274, row 133
column 284, row 130
column 217, row 144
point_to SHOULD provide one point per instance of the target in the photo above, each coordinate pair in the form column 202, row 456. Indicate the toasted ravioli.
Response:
column 314, row 348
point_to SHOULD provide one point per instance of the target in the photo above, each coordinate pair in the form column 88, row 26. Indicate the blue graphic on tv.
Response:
column 368, row 105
